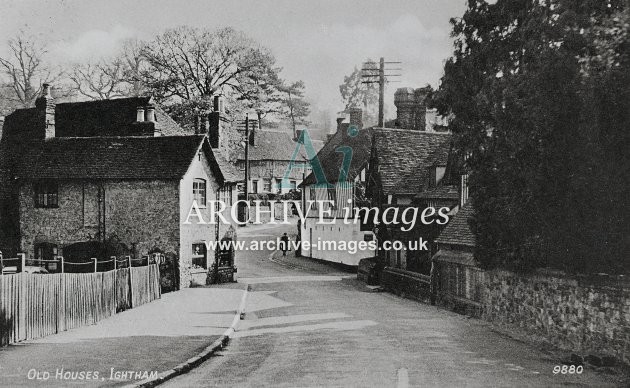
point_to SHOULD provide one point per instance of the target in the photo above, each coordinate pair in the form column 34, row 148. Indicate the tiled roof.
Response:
column 332, row 161
column 228, row 170
column 167, row 126
column 458, row 231
column 440, row 192
column 22, row 125
column 115, row 117
column 440, row 156
column 165, row 157
column 403, row 158
column 276, row 145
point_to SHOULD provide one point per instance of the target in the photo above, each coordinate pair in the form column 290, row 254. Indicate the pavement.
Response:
column 152, row 338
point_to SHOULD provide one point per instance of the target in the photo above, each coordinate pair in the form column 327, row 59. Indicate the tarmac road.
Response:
column 310, row 324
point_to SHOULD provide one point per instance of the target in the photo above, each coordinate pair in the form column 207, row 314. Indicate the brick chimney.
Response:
column 356, row 117
column 405, row 102
column 217, row 122
column 420, row 119
column 45, row 106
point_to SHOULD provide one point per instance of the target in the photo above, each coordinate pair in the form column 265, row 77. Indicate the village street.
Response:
column 309, row 324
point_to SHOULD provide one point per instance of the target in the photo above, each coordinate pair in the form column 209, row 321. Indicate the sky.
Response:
column 318, row 42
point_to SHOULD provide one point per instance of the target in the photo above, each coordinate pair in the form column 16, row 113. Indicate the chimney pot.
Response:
column 140, row 114
column 150, row 110
column 45, row 90
column 218, row 104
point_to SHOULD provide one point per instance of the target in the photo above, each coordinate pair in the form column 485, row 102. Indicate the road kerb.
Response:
column 199, row 358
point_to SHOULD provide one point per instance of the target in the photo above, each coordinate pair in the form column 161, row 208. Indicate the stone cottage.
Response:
column 108, row 170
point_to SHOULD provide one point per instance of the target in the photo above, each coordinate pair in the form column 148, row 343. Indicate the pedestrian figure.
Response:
column 284, row 244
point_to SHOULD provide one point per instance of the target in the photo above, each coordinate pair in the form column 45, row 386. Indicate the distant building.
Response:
column 346, row 188
column 390, row 167
column 270, row 155
column 108, row 170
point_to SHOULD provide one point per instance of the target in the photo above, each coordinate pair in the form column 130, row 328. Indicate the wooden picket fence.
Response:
column 37, row 305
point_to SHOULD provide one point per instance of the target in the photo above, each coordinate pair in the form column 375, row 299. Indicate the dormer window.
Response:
column 46, row 194
column 436, row 173
column 199, row 191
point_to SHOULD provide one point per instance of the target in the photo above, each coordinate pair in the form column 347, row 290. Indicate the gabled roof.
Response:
column 458, row 231
column 228, row 170
column 276, row 145
column 331, row 160
column 403, row 157
column 164, row 157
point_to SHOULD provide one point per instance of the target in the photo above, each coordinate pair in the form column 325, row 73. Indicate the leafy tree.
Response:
column 540, row 96
column 295, row 107
column 189, row 65
column 355, row 93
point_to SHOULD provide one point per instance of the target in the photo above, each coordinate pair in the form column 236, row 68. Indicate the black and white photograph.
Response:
column 314, row 193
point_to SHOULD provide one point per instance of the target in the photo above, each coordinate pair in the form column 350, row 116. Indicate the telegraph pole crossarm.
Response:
column 372, row 74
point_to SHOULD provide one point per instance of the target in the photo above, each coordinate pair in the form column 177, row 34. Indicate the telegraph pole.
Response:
column 373, row 75
column 246, row 157
column 381, row 93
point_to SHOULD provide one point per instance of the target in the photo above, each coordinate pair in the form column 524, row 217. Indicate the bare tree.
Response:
column 119, row 76
column 135, row 65
column 26, row 69
column 100, row 80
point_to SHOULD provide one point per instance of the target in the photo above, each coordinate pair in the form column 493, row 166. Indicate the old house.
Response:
column 408, row 165
column 114, row 170
column 389, row 168
column 277, row 162
column 403, row 165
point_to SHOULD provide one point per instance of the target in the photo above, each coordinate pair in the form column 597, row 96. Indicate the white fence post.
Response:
column 22, row 299
column 62, row 292
column 130, row 283
column 148, row 278
column 95, row 264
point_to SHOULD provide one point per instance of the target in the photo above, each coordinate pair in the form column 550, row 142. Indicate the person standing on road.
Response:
column 284, row 244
